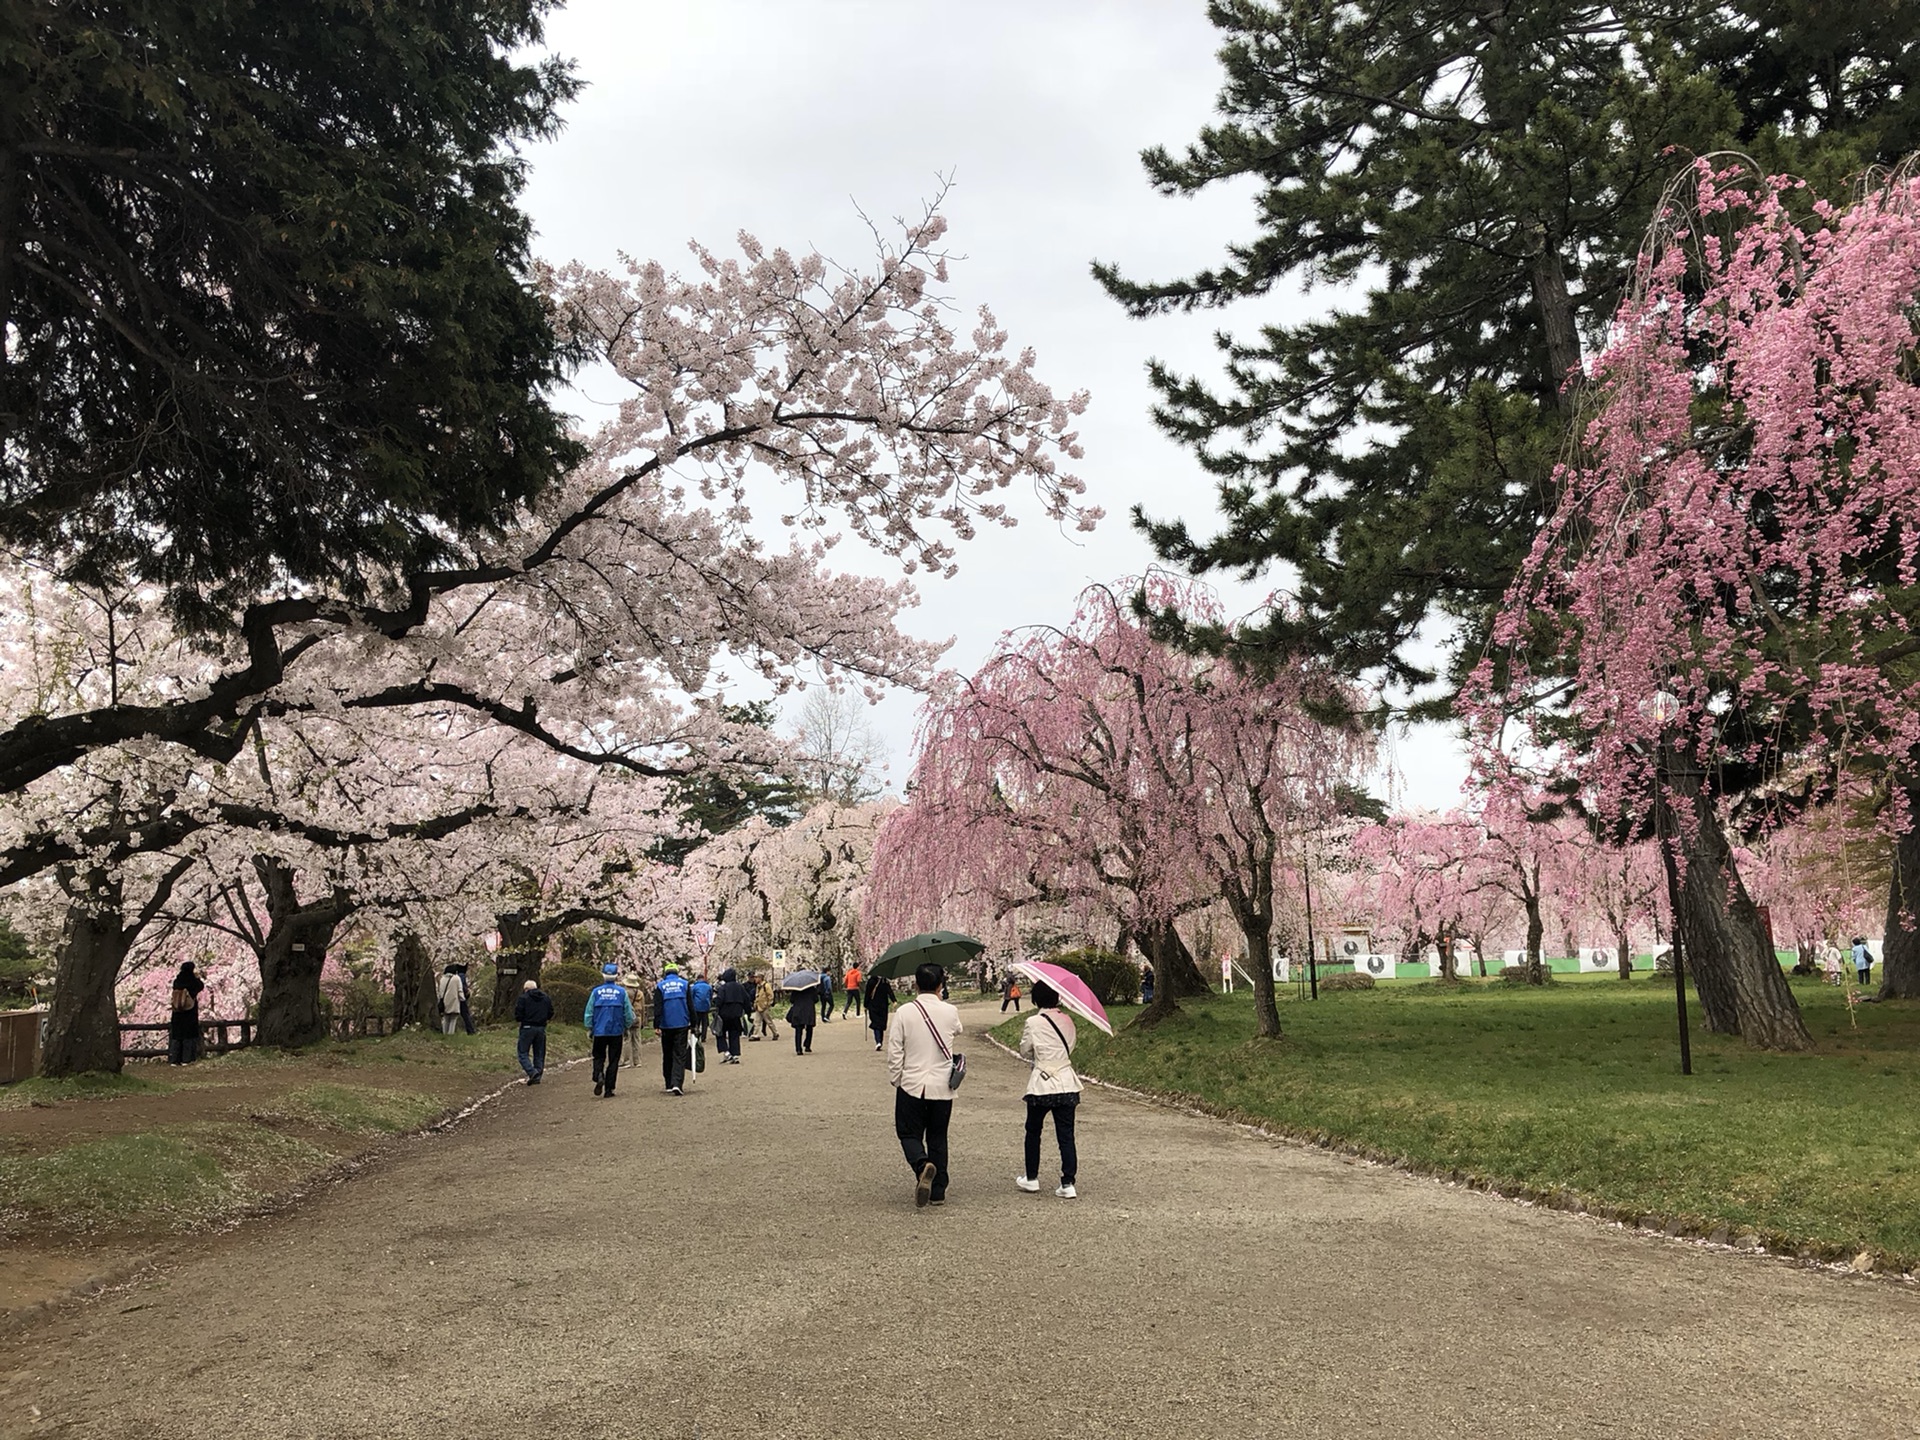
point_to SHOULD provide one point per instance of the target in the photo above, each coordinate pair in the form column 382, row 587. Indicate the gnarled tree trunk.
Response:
column 83, row 1024
column 413, row 997
column 1900, row 943
column 1174, row 973
column 1723, row 939
column 292, row 953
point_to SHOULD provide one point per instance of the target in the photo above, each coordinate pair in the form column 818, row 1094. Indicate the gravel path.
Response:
column 747, row 1261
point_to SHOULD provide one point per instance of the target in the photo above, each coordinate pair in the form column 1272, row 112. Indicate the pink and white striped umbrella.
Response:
column 1074, row 994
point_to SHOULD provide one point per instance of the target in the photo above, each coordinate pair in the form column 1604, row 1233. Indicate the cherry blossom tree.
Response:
column 1096, row 769
column 847, row 391
column 1729, row 575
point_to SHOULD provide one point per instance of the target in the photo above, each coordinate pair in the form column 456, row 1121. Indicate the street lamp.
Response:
column 1663, row 707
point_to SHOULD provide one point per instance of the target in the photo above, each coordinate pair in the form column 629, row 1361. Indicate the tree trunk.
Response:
column 1536, row 931
column 1258, row 933
column 523, row 949
column 83, row 1024
column 1735, row 972
column 1900, row 942
column 413, row 997
column 1623, row 952
column 290, row 968
column 1174, row 973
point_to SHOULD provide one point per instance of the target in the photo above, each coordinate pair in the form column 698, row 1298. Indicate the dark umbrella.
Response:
column 801, row 980
column 942, row 947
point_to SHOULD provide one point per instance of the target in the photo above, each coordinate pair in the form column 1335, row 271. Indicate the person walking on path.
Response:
column 763, row 1008
column 533, row 1009
column 1010, row 995
column 826, row 996
column 850, row 982
column 920, row 1040
column 609, row 1017
column 447, row 995
column 732, row 1001
column 800, row 1017
column 1862, row 960
column 879, row 1001
column 183, row 1019
column 673, row 1018
column 1046, row 1044
column 701, row 991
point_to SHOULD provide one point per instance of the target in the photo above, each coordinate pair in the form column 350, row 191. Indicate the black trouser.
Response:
column 802, row 1037
column 700, row 1019
column 730, row 1028
column 674, row 1057
column 922, row 1128
column 1062, row 1131
column 1866, row 975
column 853, row 1003
column 533, row 1049
column 1006, row 1000
column 878, row 1020
column 826, row 1006
column 606, row 1059
column 183, row 1043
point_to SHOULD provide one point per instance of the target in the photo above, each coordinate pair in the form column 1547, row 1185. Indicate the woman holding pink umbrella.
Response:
column 1046, row 1044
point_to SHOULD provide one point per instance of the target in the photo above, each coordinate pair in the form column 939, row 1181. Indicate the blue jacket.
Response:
column 702, row 997
column 672, row 1008
column 609, row 1011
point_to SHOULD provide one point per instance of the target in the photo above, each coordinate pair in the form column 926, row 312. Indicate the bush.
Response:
column 1112, row 979
column 1518, row 974
column 568, row 984
column 1347, row 980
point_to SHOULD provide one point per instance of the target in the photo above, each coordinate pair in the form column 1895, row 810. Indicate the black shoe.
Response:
column 923, row 1187
column 609, row 1092
column 599, row 1088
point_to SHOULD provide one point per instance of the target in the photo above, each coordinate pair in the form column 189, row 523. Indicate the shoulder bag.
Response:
column 956, row 1063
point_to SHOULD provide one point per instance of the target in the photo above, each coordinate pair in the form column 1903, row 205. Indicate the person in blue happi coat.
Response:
column 673, row 1018
column 609, row 1017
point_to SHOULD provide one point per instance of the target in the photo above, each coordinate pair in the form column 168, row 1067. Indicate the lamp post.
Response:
column 1663, row 707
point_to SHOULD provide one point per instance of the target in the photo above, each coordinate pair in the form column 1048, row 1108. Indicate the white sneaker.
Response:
column 1065, row 1192
column 1032, row 1187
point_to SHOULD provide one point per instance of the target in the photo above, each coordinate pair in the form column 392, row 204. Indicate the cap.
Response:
column 671, row 965
column 609, row 969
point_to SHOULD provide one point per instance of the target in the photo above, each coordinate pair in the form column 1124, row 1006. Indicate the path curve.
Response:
column 747, row 1261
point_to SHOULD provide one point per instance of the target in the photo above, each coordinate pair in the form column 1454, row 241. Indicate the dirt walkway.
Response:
column 747, row 1261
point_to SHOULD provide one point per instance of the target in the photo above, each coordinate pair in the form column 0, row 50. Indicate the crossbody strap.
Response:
column 1065, row 1043
column 933, row 1030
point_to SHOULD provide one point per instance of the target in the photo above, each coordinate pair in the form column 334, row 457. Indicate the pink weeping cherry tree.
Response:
column 1096, row 770
column 1727, row 587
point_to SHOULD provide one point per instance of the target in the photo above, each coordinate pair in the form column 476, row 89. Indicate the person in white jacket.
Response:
column 1046, row 1044
column 920, row 1038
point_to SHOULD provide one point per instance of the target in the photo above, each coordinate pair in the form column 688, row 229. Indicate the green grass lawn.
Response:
column 1576, row 1087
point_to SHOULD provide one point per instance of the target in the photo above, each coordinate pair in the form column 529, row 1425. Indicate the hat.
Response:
column 671, row 965
column 531, row 985
column 609, row 969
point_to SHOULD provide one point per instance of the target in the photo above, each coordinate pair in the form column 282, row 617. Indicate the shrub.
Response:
column 1518, row 975
column 1347, row 980
column 1112, row 979
column 568, row 984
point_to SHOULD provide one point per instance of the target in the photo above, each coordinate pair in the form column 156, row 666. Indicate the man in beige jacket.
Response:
column 920, row 1038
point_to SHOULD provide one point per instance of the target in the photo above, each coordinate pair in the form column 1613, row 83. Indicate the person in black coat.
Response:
column 879, row 998
column 533, row 1009
column 183, row 1023
column 731, row 1002
column 800, row 1016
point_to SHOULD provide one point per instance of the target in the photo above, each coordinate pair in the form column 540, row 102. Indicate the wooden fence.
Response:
column 217, row 1037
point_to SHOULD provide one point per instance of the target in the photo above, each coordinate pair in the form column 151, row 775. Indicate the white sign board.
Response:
column 1597, row 961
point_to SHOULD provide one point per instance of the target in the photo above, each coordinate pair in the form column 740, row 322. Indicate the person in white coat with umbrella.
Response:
column 1046, row 1044
column 920, row 1063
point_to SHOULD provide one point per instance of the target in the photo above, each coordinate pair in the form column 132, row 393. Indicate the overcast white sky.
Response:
column 706, row 117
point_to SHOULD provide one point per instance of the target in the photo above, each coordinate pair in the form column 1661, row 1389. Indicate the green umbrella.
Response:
column 942, row 947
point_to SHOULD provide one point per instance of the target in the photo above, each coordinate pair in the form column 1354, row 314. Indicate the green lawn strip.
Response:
column 1576, row 1087
column 359, row 1109
column 38, row 1091
column 489, row 1050
column 174, row 1181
